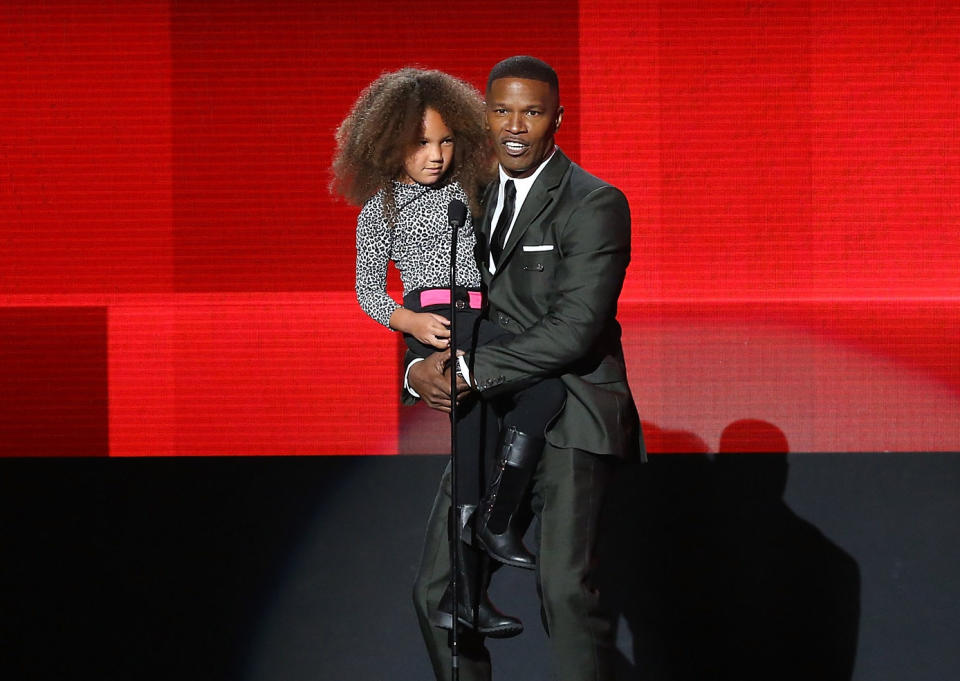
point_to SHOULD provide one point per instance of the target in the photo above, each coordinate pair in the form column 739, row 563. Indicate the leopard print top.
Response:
column 419, row 245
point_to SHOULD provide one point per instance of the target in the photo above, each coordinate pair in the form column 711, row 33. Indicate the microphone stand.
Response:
column 456, row 216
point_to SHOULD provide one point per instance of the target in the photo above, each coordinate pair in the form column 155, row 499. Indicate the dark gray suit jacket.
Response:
column 556, row 289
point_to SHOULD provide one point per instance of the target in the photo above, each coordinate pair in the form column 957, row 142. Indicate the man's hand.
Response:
column 431, row 379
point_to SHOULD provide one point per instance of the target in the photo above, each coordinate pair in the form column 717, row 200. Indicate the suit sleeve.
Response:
column 594, row 245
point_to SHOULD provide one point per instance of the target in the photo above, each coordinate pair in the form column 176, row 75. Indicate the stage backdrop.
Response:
column 176, row 279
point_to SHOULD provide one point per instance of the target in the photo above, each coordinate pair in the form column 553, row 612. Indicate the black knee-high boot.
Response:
column 476, row 611
column 494, row 528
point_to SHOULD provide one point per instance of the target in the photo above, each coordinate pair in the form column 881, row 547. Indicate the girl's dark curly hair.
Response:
column 387, row 119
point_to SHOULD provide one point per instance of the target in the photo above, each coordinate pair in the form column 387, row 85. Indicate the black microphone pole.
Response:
column 456, row 216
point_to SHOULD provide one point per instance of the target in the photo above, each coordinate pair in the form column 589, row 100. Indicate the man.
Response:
column 553, row 279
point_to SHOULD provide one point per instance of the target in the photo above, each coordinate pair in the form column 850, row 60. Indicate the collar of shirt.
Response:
column 523, row 186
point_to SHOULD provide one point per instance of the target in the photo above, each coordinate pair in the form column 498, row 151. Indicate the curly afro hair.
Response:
column 387, row 119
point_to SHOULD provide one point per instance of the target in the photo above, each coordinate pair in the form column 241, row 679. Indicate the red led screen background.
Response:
column 175, row 279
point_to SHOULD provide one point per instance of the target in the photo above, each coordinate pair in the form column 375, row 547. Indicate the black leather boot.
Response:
column 476, row 611
column 494, row 529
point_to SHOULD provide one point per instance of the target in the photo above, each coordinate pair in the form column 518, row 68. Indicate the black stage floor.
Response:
column 287, row 569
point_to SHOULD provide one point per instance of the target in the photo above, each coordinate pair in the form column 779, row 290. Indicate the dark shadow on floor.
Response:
column 714, row 578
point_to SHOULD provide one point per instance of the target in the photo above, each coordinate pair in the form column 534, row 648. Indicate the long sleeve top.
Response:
column 419, row 245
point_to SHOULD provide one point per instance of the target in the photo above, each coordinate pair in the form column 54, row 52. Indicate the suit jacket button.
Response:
column 460, row 305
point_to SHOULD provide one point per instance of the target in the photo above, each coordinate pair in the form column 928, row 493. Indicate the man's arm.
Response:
column 595, row 248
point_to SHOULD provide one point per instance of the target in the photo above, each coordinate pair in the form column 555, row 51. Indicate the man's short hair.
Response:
column 523, row 66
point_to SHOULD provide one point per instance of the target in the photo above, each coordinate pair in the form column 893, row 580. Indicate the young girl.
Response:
column 412, row 143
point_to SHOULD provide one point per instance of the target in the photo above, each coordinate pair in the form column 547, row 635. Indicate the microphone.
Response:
column 456, row 213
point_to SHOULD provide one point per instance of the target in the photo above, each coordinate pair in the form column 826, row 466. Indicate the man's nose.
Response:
column 515, row 123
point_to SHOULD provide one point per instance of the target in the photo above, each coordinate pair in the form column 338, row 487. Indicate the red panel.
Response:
column 620, row 95
column 735, row 148
column 830, row 376
column 259, row 89
column 249, row 374
column 886, row 174
column 780, row 150
column 53, row 382
column 85, row 166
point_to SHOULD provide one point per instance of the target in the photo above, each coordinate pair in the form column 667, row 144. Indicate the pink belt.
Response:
column 441, row 296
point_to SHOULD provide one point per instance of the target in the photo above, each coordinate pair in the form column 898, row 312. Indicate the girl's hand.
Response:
column 428, row 328
column 431, row 329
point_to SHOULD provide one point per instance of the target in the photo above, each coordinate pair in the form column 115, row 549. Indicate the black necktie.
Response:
column 503, row 224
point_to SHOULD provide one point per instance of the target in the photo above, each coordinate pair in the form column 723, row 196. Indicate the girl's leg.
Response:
column 521, row 444
column 531, row 410
column 525, row 416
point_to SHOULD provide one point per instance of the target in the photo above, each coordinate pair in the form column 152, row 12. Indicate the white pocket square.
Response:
column 534, row 249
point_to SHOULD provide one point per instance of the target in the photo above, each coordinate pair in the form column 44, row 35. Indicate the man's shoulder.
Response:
column 578, row 174
column 580, row 183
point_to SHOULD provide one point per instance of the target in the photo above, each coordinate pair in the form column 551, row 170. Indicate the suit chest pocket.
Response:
column 538, row 258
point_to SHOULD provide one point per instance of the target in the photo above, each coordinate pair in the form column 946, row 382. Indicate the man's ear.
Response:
column 559, row 119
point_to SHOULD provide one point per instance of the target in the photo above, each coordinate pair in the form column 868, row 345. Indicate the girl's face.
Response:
column 429, row 158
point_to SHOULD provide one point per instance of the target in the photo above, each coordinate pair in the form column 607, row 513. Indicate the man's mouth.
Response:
column 515, row 148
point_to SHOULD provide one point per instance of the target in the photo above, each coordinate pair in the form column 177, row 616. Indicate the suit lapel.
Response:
column 537, row 201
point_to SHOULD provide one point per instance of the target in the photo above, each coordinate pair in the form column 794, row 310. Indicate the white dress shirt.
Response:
column 523, row 186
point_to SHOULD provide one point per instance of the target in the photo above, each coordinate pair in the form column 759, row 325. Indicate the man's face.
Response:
column 522, row 116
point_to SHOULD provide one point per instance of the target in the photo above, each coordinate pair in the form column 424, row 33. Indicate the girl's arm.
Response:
column 373, row 253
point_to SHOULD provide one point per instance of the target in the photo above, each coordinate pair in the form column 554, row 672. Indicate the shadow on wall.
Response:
column 713, row 577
